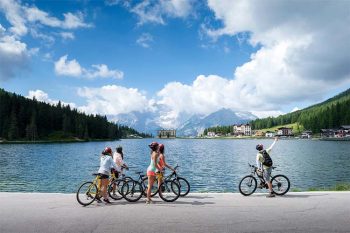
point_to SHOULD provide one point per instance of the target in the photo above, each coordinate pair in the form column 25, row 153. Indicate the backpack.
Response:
column 267, row 159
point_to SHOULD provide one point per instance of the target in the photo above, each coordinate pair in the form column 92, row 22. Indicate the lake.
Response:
column 210, row 165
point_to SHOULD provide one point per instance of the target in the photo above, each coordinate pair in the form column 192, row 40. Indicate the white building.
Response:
column 270, row 134
column 211, row 134
column 242, row 130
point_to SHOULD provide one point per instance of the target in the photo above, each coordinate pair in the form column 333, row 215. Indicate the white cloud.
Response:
column 68, row 68
column 72, row 68
column 113, row 100
column 13, row 56
column 44, row 97
column 144, row 40
column 157, row 11
column 311, row 33
column 67, row 35
column 102, row 71
column 295, row 109
column 71, row 21
column 14, row 53
column 13, row 13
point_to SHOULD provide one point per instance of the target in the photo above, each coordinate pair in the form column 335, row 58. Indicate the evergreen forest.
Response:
column 330, row 114
column 31, row 120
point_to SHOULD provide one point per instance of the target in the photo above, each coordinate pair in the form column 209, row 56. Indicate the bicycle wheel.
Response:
column 184, row 186
column 132, row 190
column 280, row 184
column 248, row 185
column 114, row 189
column 154, row 189
column 169, row 191
column 86, row 193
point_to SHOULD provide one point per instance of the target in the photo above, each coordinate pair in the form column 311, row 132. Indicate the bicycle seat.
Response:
column 95, row 174
column 273, row 167
column 139, row 173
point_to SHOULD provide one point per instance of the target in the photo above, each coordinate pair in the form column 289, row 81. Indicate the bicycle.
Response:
column 133, row 190
column 248, row 184
column 115, row 186
column 182, row 183
column 88, row 191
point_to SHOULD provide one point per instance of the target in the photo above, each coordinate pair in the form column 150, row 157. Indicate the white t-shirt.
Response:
column 117, row 158
column 106, row 164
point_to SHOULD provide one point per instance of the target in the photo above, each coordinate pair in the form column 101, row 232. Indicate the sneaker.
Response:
column 271, row 195
column 107, row 201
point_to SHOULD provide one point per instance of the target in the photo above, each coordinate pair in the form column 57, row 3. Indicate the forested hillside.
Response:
column 26, row 119
column 331, row 113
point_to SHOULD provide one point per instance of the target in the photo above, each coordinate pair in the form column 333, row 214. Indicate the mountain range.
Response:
column 192, row 126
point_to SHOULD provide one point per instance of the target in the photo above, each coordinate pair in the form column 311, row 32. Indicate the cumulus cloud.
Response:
column 44, row 97
column 113, row 100
column 68, row 68
column 157, row 11
column 144, row 40
column 14, row 53
column 312, row 35
column 65, row 67
column 13, row 56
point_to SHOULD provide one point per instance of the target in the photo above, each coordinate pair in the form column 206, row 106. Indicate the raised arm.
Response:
column 272, row 145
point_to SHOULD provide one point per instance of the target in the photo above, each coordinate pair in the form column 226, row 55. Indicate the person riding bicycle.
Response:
column 106, row 164
column 152, row 168
column 264, row 164
column 162, row 164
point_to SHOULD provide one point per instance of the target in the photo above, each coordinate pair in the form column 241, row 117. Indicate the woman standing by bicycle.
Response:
column 162, row 164
column 118, row 158
column 106, row 164
column 152, row 168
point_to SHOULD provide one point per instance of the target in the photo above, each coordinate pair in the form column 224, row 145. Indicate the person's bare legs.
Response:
column 104, row 184
column 151, row 180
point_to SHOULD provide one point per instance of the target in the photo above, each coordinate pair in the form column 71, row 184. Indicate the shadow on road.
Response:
column 302, row 195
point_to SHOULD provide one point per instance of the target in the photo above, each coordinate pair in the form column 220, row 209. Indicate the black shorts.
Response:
column 102, row 176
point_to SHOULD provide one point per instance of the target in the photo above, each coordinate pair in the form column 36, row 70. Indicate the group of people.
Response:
column 110, row 162
column 114, row 162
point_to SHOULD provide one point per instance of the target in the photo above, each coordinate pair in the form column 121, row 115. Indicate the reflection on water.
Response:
column 209, row 165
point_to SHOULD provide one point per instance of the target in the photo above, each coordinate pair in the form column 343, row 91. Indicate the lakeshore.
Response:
column 199, row 212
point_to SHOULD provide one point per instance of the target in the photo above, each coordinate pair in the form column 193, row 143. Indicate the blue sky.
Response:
column 175, row 56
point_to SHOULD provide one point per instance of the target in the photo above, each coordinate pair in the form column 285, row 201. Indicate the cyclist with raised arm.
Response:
column 264, row 164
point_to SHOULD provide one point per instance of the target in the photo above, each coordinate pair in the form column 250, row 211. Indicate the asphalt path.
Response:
column 199, row 212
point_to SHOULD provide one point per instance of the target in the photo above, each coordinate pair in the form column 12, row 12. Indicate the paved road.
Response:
column 295, row 212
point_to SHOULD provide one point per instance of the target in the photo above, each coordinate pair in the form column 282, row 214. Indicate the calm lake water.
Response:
column 209, row 165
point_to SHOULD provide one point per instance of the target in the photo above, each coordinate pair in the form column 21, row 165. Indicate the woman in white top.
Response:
column 106, row 164
column 118, row 158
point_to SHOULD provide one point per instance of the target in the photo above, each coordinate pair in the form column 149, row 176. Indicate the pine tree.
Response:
column 13, row 130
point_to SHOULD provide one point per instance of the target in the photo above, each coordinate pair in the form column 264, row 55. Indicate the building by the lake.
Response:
column 284, row 131
column 342, row 132
column 242, row 130
column 166, row 133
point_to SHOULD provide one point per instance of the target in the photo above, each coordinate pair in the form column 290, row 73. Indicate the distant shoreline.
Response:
column 56, row 141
